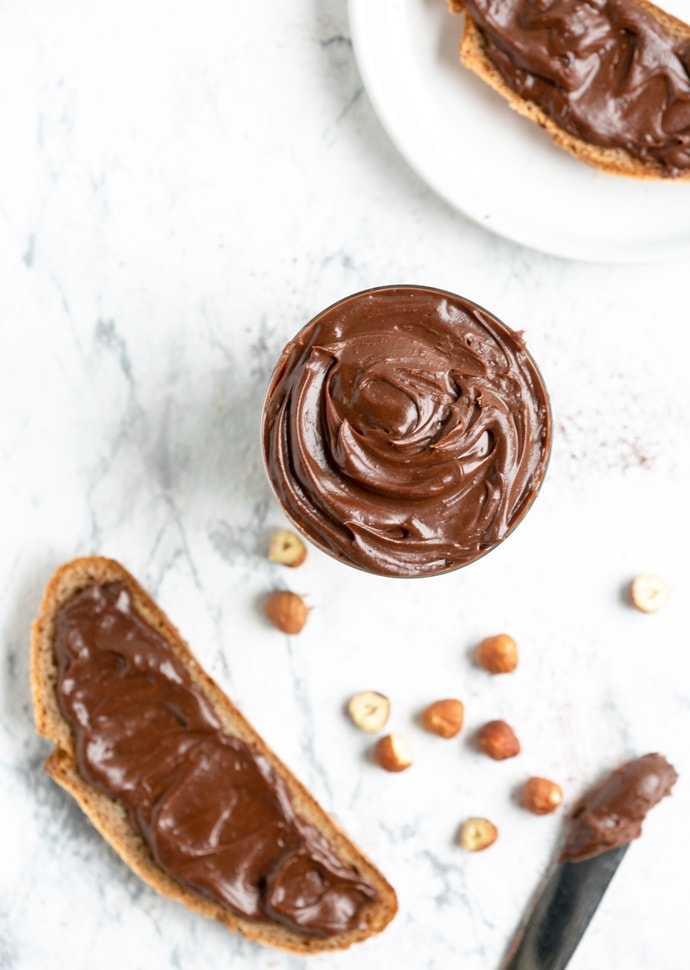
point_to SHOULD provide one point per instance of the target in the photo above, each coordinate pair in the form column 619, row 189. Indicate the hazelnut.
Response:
column 287, row 611
column 648, row 593
column 477, row 834
column 541, row 796
column 444, row 717
column 369, row 710
column 286, row 548
column 497, row 739
column 498, row 655
column 392, row 753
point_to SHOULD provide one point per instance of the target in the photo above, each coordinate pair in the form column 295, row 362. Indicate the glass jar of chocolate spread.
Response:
column 406, row 430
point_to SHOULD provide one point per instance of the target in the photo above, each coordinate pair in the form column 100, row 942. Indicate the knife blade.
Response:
column 555, row 925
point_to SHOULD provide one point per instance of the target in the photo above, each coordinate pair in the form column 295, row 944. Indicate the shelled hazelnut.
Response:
column 392, row 753
column 648, row 593
column 498, row 655
column 541, row 795
column 286, row 548
column 477, row 834
column 287, row 611
column 444, row 717
column 497, row 739
column 369, row 710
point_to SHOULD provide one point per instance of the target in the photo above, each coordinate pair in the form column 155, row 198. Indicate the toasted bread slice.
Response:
column 110, row 817
column 615, row 161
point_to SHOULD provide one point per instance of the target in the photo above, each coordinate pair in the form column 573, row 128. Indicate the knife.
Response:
column 555, row 925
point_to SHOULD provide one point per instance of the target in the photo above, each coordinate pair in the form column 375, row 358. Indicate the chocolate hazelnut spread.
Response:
column 406, row 430
column 607, row 71
column 612, row 814
column 211, row 808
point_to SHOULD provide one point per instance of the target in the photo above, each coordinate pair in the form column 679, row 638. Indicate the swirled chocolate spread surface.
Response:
column 212, row 810
column 612, row 814
column 406, row 431
column 607, row 71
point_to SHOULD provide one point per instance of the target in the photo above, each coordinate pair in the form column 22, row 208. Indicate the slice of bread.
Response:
column 110, row 817
column 615, row 161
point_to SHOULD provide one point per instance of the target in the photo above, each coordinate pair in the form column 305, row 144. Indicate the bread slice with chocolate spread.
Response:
column 335, row 875
column 658, row 144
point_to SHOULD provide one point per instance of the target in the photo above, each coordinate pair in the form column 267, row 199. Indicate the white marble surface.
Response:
column 181, row 187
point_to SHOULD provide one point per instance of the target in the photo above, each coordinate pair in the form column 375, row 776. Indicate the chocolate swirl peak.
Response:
column 406, row 431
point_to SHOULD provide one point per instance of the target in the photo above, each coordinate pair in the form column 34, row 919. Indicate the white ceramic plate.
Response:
column 499, row 168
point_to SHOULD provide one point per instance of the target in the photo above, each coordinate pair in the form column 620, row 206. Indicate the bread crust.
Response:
column 110, row 818
column 614, row 161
